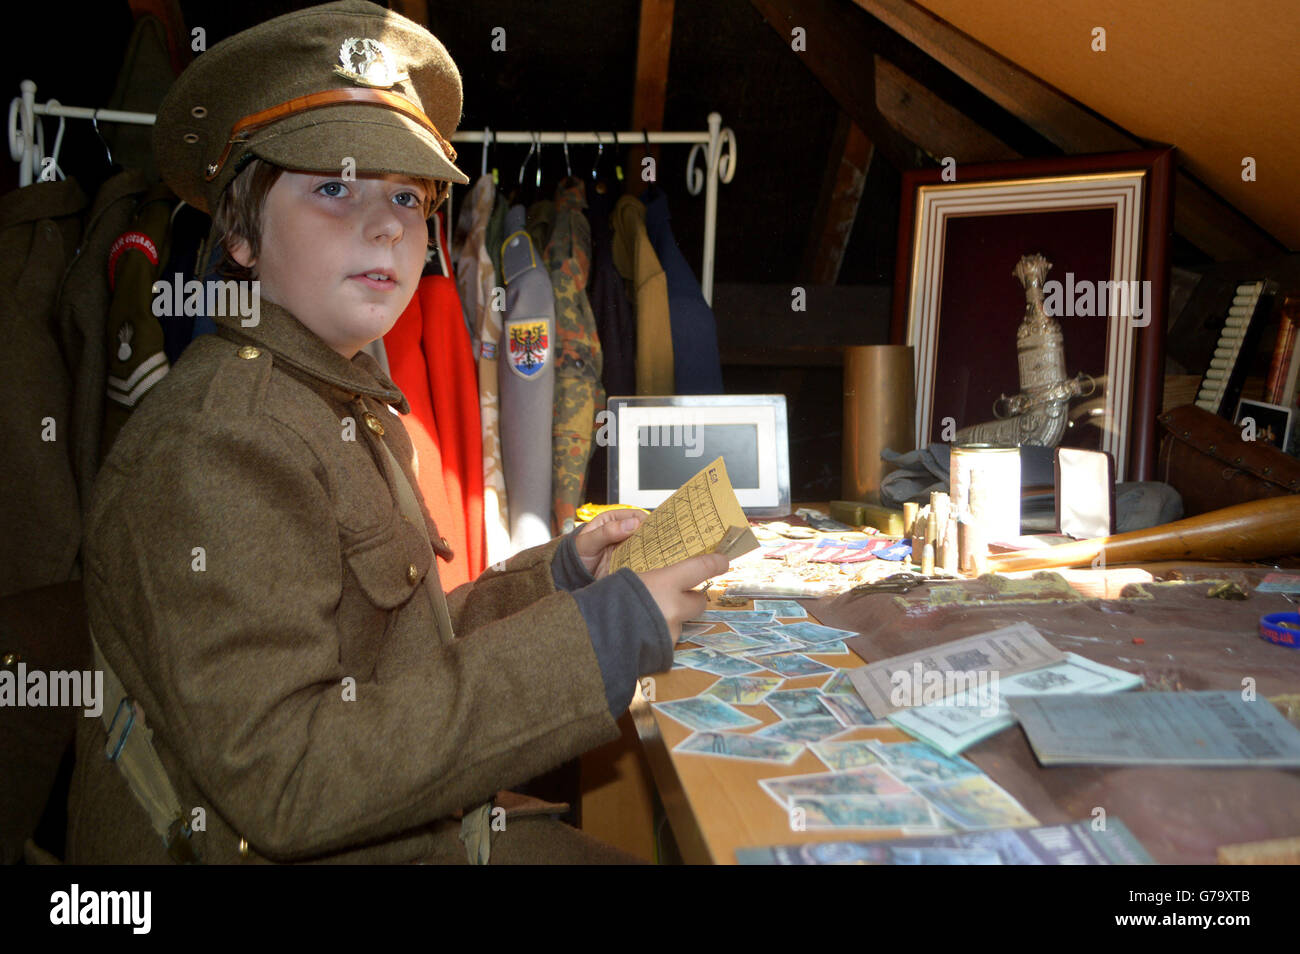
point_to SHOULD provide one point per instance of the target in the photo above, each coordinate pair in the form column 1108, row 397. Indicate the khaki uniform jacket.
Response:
column 245, row 561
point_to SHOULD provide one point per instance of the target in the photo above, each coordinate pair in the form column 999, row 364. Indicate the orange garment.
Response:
column 429, row 358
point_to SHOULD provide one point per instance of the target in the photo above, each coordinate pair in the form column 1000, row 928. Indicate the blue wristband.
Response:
column 1281, row 628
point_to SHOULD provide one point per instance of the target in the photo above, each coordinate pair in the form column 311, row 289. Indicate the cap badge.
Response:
column 368, row 63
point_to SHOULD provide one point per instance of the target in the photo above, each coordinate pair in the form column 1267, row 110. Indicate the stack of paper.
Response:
column 1159, row 728
column 953, row 728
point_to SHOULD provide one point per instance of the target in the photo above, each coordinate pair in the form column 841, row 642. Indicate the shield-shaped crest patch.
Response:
column 528, row 346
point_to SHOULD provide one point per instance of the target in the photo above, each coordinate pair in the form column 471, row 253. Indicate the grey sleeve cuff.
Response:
column 628, row 633
column 567, row 568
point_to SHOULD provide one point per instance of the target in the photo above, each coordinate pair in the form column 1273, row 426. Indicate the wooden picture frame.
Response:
column 1098, row 218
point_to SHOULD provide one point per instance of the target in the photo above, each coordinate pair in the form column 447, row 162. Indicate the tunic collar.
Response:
column 295, row 345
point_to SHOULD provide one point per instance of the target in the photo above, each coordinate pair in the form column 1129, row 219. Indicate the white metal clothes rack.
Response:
column 714, row 147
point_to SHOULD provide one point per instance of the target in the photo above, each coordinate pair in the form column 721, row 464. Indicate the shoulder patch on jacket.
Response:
column 528, row 346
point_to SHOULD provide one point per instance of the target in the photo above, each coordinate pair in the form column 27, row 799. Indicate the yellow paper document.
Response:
column 702, row 516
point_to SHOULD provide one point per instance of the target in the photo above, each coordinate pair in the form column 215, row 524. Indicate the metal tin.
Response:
column 993, row 473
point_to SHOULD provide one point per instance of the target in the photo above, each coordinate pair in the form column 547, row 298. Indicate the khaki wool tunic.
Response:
column 245, row 560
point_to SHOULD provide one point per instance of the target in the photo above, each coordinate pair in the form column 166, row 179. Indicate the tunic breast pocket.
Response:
column 383, row 597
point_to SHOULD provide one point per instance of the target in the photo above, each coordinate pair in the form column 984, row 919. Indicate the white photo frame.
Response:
column 1273, row 423
column 657, row 443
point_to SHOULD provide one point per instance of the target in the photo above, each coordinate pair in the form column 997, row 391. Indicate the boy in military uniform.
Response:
column 261, row 576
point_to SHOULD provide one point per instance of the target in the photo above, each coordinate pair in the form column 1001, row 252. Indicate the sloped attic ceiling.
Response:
column 1218, row 80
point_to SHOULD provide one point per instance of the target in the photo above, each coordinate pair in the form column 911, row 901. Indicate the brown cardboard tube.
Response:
column 879, row 403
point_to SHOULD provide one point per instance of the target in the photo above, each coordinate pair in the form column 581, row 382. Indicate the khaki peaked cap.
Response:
column 307, row 91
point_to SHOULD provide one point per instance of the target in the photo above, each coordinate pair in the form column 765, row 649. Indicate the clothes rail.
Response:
column 714, row 147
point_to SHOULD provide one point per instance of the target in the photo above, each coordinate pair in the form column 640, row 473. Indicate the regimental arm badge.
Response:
column 528, row 346
column 368, row 62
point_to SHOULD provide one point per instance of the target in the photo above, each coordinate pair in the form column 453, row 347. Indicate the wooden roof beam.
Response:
column 848, row 161
column 654, row 43
column 836, row 52
column 931, row 123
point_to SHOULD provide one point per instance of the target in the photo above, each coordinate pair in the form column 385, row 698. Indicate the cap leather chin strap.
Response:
column 245, row 127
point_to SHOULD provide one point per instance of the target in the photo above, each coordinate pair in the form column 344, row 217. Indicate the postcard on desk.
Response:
column 976, row 802
column 727, row 745
column 702, row 516
column 868, row 780
column 1076, row 843
column 930, row 675
column 739, row 616
column 703, row 713
column 906, row 811
column 806, row 729
column 797, row 703
column 839, row 685
column 841, row 756
column 728, row 643
column 850, row 711
column 743, row 690
column 786, row 609
column 714, row 663
column 812, row 634
column 953, row 728
column 791, row 665
column 1274, row 583
column 1158, row 728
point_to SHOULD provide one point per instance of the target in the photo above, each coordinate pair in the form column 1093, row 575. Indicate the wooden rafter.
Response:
column 848, row 162
column 930, row 122
column 654, row 42
column 836, row 49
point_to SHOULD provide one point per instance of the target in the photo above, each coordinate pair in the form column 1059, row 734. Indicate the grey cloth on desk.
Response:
column 919, row 473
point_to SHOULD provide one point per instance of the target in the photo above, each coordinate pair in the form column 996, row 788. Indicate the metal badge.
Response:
column 368, row 62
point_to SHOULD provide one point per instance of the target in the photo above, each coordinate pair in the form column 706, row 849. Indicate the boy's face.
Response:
column 344, row 257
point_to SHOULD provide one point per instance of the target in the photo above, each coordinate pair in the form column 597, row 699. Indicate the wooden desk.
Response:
column 1182, row 815
column 716, row 805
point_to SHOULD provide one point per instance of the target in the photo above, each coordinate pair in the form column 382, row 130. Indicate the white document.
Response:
column 929, row 675
column 954, row 728
column 1158, row 728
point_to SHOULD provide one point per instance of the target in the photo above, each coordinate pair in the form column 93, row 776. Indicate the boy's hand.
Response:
column 596, row 541
column 671, row 587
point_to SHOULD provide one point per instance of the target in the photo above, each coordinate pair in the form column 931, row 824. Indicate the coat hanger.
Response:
column 531, row 193
column 516, row 193
column 56, row 169
column 108, row 153
column 598, row 184
column 95, row 176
